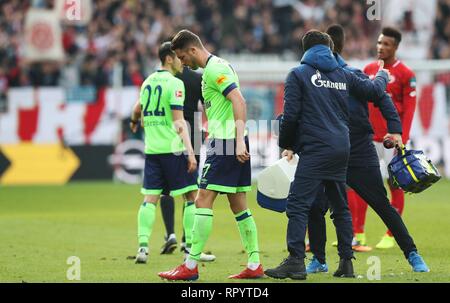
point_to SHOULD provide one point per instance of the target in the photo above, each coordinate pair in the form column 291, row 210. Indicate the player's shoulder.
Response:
column 176, row 81
column 370, row 67
column 356, row 71
column 219, row 60
column 405, row 69
column 147, row 80
column 217, row 64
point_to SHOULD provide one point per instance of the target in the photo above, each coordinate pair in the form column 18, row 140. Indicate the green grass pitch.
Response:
column 42, row 226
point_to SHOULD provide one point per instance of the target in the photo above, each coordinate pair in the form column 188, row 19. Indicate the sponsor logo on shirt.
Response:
column 221, row 79
column 318, row 82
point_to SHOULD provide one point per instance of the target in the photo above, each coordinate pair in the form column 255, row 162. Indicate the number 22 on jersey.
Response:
column 152, row 104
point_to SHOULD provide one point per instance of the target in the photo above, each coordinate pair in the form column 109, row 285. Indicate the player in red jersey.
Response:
column 402, row 90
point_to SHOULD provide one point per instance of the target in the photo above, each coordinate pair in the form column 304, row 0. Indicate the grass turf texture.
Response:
column 41, row 226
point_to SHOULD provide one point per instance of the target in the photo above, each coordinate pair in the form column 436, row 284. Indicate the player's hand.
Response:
column 241, row 151
column 289, row 154
column 134, row 126
column 381, row 68
column 397, row 138
column 192, row 164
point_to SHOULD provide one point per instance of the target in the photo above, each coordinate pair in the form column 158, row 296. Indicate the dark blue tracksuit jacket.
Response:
column 362, row 152
column 363, row 173
column 316, row 118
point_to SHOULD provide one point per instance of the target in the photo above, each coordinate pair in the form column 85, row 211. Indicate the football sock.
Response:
column 361, row 211
column 146, row 218
column 188, row 221
column 200, row 233
column 249, row 235
column 352, row 205
column 183, row 238
column 397, row 201
column 168, row 213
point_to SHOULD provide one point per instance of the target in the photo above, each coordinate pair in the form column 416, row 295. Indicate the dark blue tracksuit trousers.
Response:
column 304, row 191
column 368, row 183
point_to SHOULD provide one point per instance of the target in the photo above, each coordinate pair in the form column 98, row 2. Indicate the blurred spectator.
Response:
column 129, row 32
column 3, row 90
column 44, row 74
column 440, row 46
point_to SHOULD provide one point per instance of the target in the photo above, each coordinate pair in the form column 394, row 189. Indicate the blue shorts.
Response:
column 167, row 174
column 222, row 171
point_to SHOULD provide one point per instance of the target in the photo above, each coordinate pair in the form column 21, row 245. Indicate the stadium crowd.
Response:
column 440, row 47
column 129, row 32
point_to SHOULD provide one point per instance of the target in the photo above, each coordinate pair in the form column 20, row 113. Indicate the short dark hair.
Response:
column 315, row 37
column 392, row 32
column 164, row 51
column 337, row 35
column 184, row 39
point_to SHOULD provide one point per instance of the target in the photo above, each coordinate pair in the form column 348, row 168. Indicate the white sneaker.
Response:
column 142, row 255
column 207, row 258
column 203, row 257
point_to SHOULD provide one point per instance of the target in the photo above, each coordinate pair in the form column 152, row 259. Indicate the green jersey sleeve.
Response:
column 224, row 78
column 177, row 98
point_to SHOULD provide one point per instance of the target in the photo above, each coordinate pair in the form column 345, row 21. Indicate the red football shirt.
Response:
column 402, row 89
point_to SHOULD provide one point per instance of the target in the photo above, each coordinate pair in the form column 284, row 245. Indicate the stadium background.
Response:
column 63, row 118
column 67, row 86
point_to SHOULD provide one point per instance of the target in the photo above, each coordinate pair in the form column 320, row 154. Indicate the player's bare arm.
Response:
column 135, row 116
column 182, row 130
column 240, row 117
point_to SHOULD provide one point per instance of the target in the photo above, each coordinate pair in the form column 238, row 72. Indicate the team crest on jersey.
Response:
column 178, row 93
column 221, row 79
column 391, row 78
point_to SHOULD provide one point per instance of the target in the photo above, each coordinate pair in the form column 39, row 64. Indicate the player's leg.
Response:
column 358, row 209
column 397, row 201
column 183, row 237
column 153, row 186
column 249, row 236
column 202, row 225
column 304, row 191
column 318, row 234
column 168, row 214
column 188, row 211
column 183, row 183
column 361, row 208
column 200, row 233
column 188, row 218
column 146, row 219
column 367, row 181
column 342, row 220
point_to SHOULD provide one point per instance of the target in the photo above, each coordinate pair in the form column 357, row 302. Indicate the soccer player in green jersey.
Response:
column 170, row 164
column 226, row 170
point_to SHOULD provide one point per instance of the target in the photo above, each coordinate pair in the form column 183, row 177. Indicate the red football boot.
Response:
column 180, row 273
column 247, row 273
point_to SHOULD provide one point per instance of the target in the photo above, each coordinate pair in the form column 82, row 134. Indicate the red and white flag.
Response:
column 43, row 36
